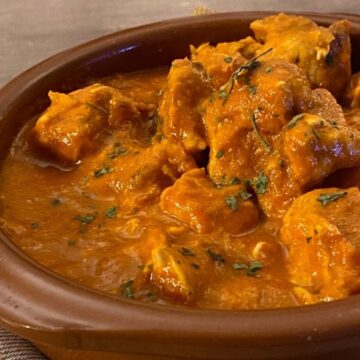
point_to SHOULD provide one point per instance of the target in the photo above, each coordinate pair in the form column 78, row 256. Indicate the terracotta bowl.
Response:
column 67, row 321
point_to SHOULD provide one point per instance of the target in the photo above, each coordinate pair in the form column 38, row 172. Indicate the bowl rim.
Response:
column 43, row 306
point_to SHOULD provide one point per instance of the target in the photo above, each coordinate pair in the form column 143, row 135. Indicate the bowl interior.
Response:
column 45, row 308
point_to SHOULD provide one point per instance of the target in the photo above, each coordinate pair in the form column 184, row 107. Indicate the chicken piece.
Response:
column 180, row 272
column 352, row 96
column 243, row 117
column 218, row 61
column 70, row 126
column 136, row 174
column 252, row 130
column 186, row 87
column 314, row 148
column 323, row 54
column 195, row 200
column 322, row 233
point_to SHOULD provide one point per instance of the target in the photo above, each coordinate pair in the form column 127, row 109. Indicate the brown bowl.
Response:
column 68, row 321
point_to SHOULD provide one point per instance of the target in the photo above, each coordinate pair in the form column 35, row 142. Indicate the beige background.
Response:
column 32, row 30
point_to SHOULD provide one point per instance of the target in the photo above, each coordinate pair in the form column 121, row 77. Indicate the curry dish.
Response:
column 229, row 180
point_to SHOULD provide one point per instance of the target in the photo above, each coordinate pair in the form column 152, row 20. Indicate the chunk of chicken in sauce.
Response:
column 321, row 231
column 242, row 118
column 219, row 61
column 179, row 272
column 204, row 207
column 323, row 54
column 72, row 124
column 179, row 110
column 135, row 174
column 251, row 130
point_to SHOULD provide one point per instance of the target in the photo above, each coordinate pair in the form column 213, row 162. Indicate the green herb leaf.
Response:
column 252, row 89
column 240, row 266
column 215, row 256
column 245, row 195
column 252, row 64
column 195, row 266
column 34, row 225
column 250, row 269
column 111, row 212
column 268, row 70
column 186, row 252
column 85, row 219
column 228, row 59
column 260, row 183
column 294, row 121
column 118, row 150
column 234, row 181
column 102, row 171
column 232, row 202
column 265, row 145
column 127, row 289
column 254, row 267
column 325, row 199
column 223, row 94
column 219, row 154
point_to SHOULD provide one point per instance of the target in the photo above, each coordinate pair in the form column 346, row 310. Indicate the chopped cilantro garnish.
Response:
column 215, row 256
column 228, row 59
column 268, row 69
column 244, row 195
column 325, row 199
column 186, row 252
column 102, row 171
column 252, row 89
column 262, row 141
column 118, row 150
column 254, row 267
column 111, row 212
column 234, row 180
column 250, row 269
column 34, row 225
column 127, row 289
column 294, row 121
column 240, row 266
column 219, row 154
column 232, row 202
column 195, row 266
column 223, row 94
column 85, row 219
column 260, row 183
column 252, row 64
